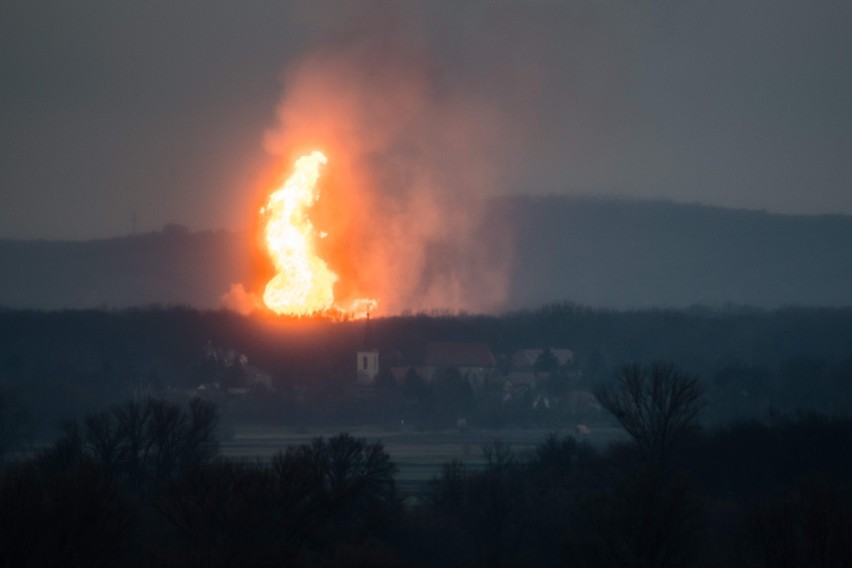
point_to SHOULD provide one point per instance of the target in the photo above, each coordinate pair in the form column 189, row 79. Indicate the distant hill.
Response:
column 625, row 254
column 172, row 267
column 610, row 253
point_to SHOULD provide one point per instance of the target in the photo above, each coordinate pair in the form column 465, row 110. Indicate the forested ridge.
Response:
column 598, row 252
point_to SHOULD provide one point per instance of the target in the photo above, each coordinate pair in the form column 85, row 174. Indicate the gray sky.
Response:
column 165, row 108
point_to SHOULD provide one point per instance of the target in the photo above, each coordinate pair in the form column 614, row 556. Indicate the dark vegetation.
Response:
column 739, row 455
column 139, row 485
column 118, row 489
column 60, row 365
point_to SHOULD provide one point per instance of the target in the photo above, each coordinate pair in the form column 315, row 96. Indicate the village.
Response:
column 445, row 385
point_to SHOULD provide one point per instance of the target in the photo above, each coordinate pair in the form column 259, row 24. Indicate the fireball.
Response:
column 303, row 284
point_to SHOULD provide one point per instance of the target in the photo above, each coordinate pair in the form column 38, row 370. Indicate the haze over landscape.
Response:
column 426, row 283
column 127, row 118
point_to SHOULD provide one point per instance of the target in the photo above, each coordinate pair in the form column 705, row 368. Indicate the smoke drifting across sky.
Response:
column 412, row 159
column 158, row 107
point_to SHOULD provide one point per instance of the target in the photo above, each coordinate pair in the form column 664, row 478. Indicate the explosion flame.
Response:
column 303, row 284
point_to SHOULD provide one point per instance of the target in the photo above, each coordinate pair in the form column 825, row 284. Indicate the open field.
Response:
column 418, row 455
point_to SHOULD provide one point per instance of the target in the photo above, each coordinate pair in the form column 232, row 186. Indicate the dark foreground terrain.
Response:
column 141, row 484
column 123, row 438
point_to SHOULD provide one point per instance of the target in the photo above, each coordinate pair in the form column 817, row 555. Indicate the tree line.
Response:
column 141, row 484
column 67, row 364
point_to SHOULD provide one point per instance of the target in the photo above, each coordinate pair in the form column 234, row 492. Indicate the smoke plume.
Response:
column 238, row 299
column 411, row 161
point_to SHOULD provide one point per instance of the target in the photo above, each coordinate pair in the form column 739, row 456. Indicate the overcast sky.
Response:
column 164, row 108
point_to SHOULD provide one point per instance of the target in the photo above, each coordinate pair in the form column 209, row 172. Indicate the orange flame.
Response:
column 303, row 284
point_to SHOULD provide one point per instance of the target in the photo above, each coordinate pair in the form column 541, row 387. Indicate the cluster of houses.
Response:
column 520, row 378
column 526, row 376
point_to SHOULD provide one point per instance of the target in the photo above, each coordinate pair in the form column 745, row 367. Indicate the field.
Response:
column 418, row 455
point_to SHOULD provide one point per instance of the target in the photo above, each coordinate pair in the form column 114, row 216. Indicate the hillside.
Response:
column 639, row 254
column 609, row 253
column 172, row 267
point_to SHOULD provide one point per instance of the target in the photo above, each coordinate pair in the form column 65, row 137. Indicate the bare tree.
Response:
column 132, row 418
column 355, row 468
column 143, row 443
column 657, row 405
column 447, row 489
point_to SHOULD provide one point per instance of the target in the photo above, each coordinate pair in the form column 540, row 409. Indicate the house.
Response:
column 472, row 360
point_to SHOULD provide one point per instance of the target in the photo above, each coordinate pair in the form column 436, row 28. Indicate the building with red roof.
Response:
column 473, row 360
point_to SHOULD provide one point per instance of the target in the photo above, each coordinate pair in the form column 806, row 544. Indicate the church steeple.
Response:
column 367, row 359
column 368, row 335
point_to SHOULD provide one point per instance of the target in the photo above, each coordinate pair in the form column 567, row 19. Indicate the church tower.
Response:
column 367, row 361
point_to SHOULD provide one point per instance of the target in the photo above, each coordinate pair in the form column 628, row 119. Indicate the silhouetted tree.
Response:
column 447, row 489
column 546, row 362
column 490, row 507
column 307, row 502
column 657, row 405
column 557, row 456
column 142, row 443
column 559, row 472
